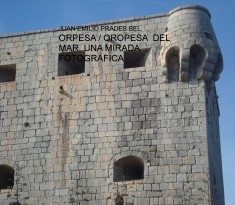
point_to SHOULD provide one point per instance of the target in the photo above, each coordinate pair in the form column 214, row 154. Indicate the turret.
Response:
column 193, row 52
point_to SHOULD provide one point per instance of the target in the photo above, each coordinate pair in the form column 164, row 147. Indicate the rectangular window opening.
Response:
column 71, row 63
column 133, row 59
column 7, row 73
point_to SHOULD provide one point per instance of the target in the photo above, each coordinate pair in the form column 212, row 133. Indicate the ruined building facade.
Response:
column 140, row 132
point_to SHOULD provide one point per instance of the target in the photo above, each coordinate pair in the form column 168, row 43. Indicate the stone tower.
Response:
column 143, row 131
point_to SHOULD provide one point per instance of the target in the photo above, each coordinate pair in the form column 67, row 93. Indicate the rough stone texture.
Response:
column 63, row 145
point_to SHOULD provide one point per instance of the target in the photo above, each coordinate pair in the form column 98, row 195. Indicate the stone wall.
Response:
column 70, row 139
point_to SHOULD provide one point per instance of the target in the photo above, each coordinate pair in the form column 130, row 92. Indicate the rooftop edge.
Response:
column 190, row 7
column 113, row 21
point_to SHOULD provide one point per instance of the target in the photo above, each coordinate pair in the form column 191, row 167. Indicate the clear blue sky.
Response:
column 28, row 15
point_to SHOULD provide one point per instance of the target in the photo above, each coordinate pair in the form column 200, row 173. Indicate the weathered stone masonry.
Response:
column 109, row 135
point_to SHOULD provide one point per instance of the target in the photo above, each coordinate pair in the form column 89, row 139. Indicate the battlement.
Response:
column 117, row 112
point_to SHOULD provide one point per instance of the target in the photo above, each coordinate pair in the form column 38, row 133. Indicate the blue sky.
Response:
column 28, row 15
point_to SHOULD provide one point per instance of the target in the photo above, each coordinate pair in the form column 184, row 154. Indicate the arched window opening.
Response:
column 128, row 168
column 196, row 60
column 6, row 177
column 172, row 59
column 119, row 200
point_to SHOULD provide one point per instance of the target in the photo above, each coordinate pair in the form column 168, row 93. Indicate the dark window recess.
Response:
column 172, row 58
column 134, row 59
column 128, row 168
column 196, row 59
column 7, row 73
column 6, row 177
column 71, row 63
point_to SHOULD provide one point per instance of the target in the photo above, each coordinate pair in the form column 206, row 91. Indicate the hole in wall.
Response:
column 133, row 59
column 6, row 177
column 71, row 63
column 7, row 73
column 128, row 168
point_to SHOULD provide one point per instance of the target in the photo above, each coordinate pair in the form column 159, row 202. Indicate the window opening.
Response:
column 128, row 168
column 6, row 177
column 196, row 59
column 135, row 58
column 7, row 73
column 71, row 63
column 172, row 58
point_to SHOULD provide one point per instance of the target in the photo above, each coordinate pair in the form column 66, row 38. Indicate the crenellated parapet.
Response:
column 193, row 51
